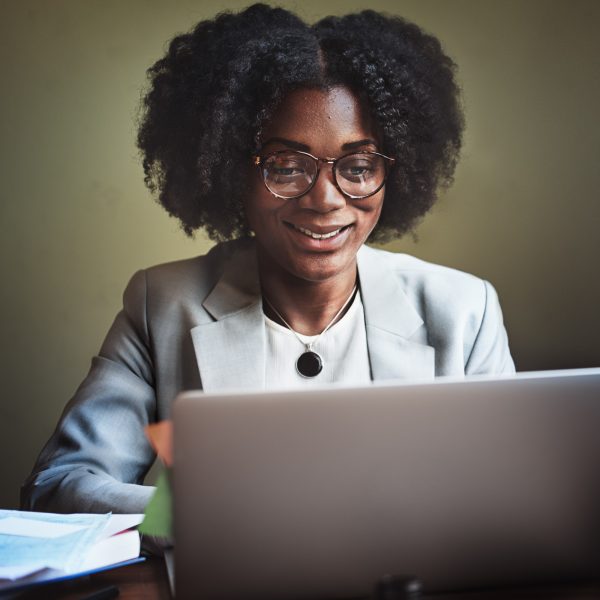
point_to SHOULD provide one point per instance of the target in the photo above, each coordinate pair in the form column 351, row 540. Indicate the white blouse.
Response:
column 342, row 348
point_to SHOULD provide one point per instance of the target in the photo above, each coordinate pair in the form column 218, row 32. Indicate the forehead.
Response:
column 320, row 118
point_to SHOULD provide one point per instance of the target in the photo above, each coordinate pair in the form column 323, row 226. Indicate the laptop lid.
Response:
column 317, row 494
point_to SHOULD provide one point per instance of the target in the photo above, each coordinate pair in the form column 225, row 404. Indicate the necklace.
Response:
column 309, row 363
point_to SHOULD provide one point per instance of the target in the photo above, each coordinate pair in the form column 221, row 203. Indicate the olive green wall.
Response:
column 77, row 221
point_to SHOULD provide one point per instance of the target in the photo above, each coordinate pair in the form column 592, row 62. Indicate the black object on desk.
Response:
column 398, row 587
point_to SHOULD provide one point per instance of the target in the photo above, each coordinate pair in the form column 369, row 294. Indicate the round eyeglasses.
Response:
column 291, row 173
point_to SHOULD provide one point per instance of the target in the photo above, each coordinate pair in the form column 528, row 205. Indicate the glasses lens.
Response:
column 360, row 174
column 289, row 174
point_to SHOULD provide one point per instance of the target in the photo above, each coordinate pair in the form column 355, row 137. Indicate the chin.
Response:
column 322, row 267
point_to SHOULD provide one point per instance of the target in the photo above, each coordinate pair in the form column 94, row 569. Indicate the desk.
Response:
column 142, row 581
column 148, row 581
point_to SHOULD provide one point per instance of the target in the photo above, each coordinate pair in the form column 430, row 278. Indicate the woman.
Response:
column 298, row 144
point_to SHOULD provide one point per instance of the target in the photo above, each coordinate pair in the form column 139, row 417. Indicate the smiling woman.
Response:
column 316, row 234
column 291, row 145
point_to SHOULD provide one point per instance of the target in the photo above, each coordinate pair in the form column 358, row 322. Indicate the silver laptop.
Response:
column 318, row 494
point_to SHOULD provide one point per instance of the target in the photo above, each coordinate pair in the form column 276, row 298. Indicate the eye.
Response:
column 358, row 168
column 286, row 169
column 286, row 166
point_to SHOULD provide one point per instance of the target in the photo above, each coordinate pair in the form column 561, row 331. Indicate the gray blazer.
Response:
column 198, row 323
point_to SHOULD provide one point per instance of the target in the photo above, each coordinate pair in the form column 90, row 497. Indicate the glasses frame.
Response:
column 260, row 160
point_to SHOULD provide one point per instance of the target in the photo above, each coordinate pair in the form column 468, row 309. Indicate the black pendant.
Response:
column 309, row 364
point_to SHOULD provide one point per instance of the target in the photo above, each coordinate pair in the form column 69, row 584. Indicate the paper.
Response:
column 37, row 529
column 22, row 552
column 37, row 548
column 118, row 523
column 13, row 573
column 115, row 549
column 158, row 516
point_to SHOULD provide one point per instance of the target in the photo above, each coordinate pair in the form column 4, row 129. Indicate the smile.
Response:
column 319, row 236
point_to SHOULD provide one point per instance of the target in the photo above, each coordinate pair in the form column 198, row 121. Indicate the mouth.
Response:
column 319, row 235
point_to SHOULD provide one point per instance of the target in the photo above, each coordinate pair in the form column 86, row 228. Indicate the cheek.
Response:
column 371, row 216
column 261, row 210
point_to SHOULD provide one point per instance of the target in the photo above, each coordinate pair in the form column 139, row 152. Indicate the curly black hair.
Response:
column 216, row 88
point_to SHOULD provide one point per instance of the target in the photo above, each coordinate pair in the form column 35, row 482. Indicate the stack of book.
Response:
column 40, row 547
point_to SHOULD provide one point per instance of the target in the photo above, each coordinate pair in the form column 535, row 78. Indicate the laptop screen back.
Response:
column 318, row 494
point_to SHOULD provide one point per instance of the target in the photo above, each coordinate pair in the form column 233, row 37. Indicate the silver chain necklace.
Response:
column 309, row 363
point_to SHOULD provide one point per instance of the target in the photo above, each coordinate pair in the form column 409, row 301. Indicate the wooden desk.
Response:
column 148, row 581
column 143, row 581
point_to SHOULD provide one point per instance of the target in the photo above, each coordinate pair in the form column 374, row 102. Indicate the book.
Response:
column 43, row 547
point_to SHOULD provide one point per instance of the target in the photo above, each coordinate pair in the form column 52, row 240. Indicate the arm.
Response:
column 98, row 455
column 490, row 352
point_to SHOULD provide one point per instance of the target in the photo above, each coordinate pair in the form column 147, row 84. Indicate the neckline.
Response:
column 347, row 316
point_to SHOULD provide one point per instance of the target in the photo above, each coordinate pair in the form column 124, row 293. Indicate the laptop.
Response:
column 464, row 484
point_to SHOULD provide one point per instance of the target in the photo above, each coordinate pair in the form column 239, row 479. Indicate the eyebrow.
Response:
column 305, row 148
column 289, row 143
column 359, row 143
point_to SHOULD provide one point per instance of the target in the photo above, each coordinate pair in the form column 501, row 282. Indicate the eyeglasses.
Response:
column 291, row 173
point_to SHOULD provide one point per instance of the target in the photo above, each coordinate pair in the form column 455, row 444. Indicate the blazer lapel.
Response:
column 230, row 345
column 391, row 321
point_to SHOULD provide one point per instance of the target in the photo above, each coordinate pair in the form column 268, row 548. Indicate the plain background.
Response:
column 77, row 221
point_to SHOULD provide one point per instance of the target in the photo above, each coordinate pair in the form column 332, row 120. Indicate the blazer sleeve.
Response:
column 490, row 352
column 98, row 455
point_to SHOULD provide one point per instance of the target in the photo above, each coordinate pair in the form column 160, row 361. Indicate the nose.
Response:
column 324, row 196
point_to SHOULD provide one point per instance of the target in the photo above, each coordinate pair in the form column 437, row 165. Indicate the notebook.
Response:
column 317, row 494
column 41, row 548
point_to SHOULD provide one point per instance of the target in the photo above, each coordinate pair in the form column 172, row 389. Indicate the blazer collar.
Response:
column 230, row 345
column 391, row 320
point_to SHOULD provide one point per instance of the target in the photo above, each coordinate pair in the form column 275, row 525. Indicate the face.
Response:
column 314, row 237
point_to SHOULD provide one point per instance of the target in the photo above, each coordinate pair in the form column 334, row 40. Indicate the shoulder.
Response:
column 187, row 279
column 460, row 313
column 428, row 284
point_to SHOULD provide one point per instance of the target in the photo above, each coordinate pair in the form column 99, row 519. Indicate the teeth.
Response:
column 317, row 236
